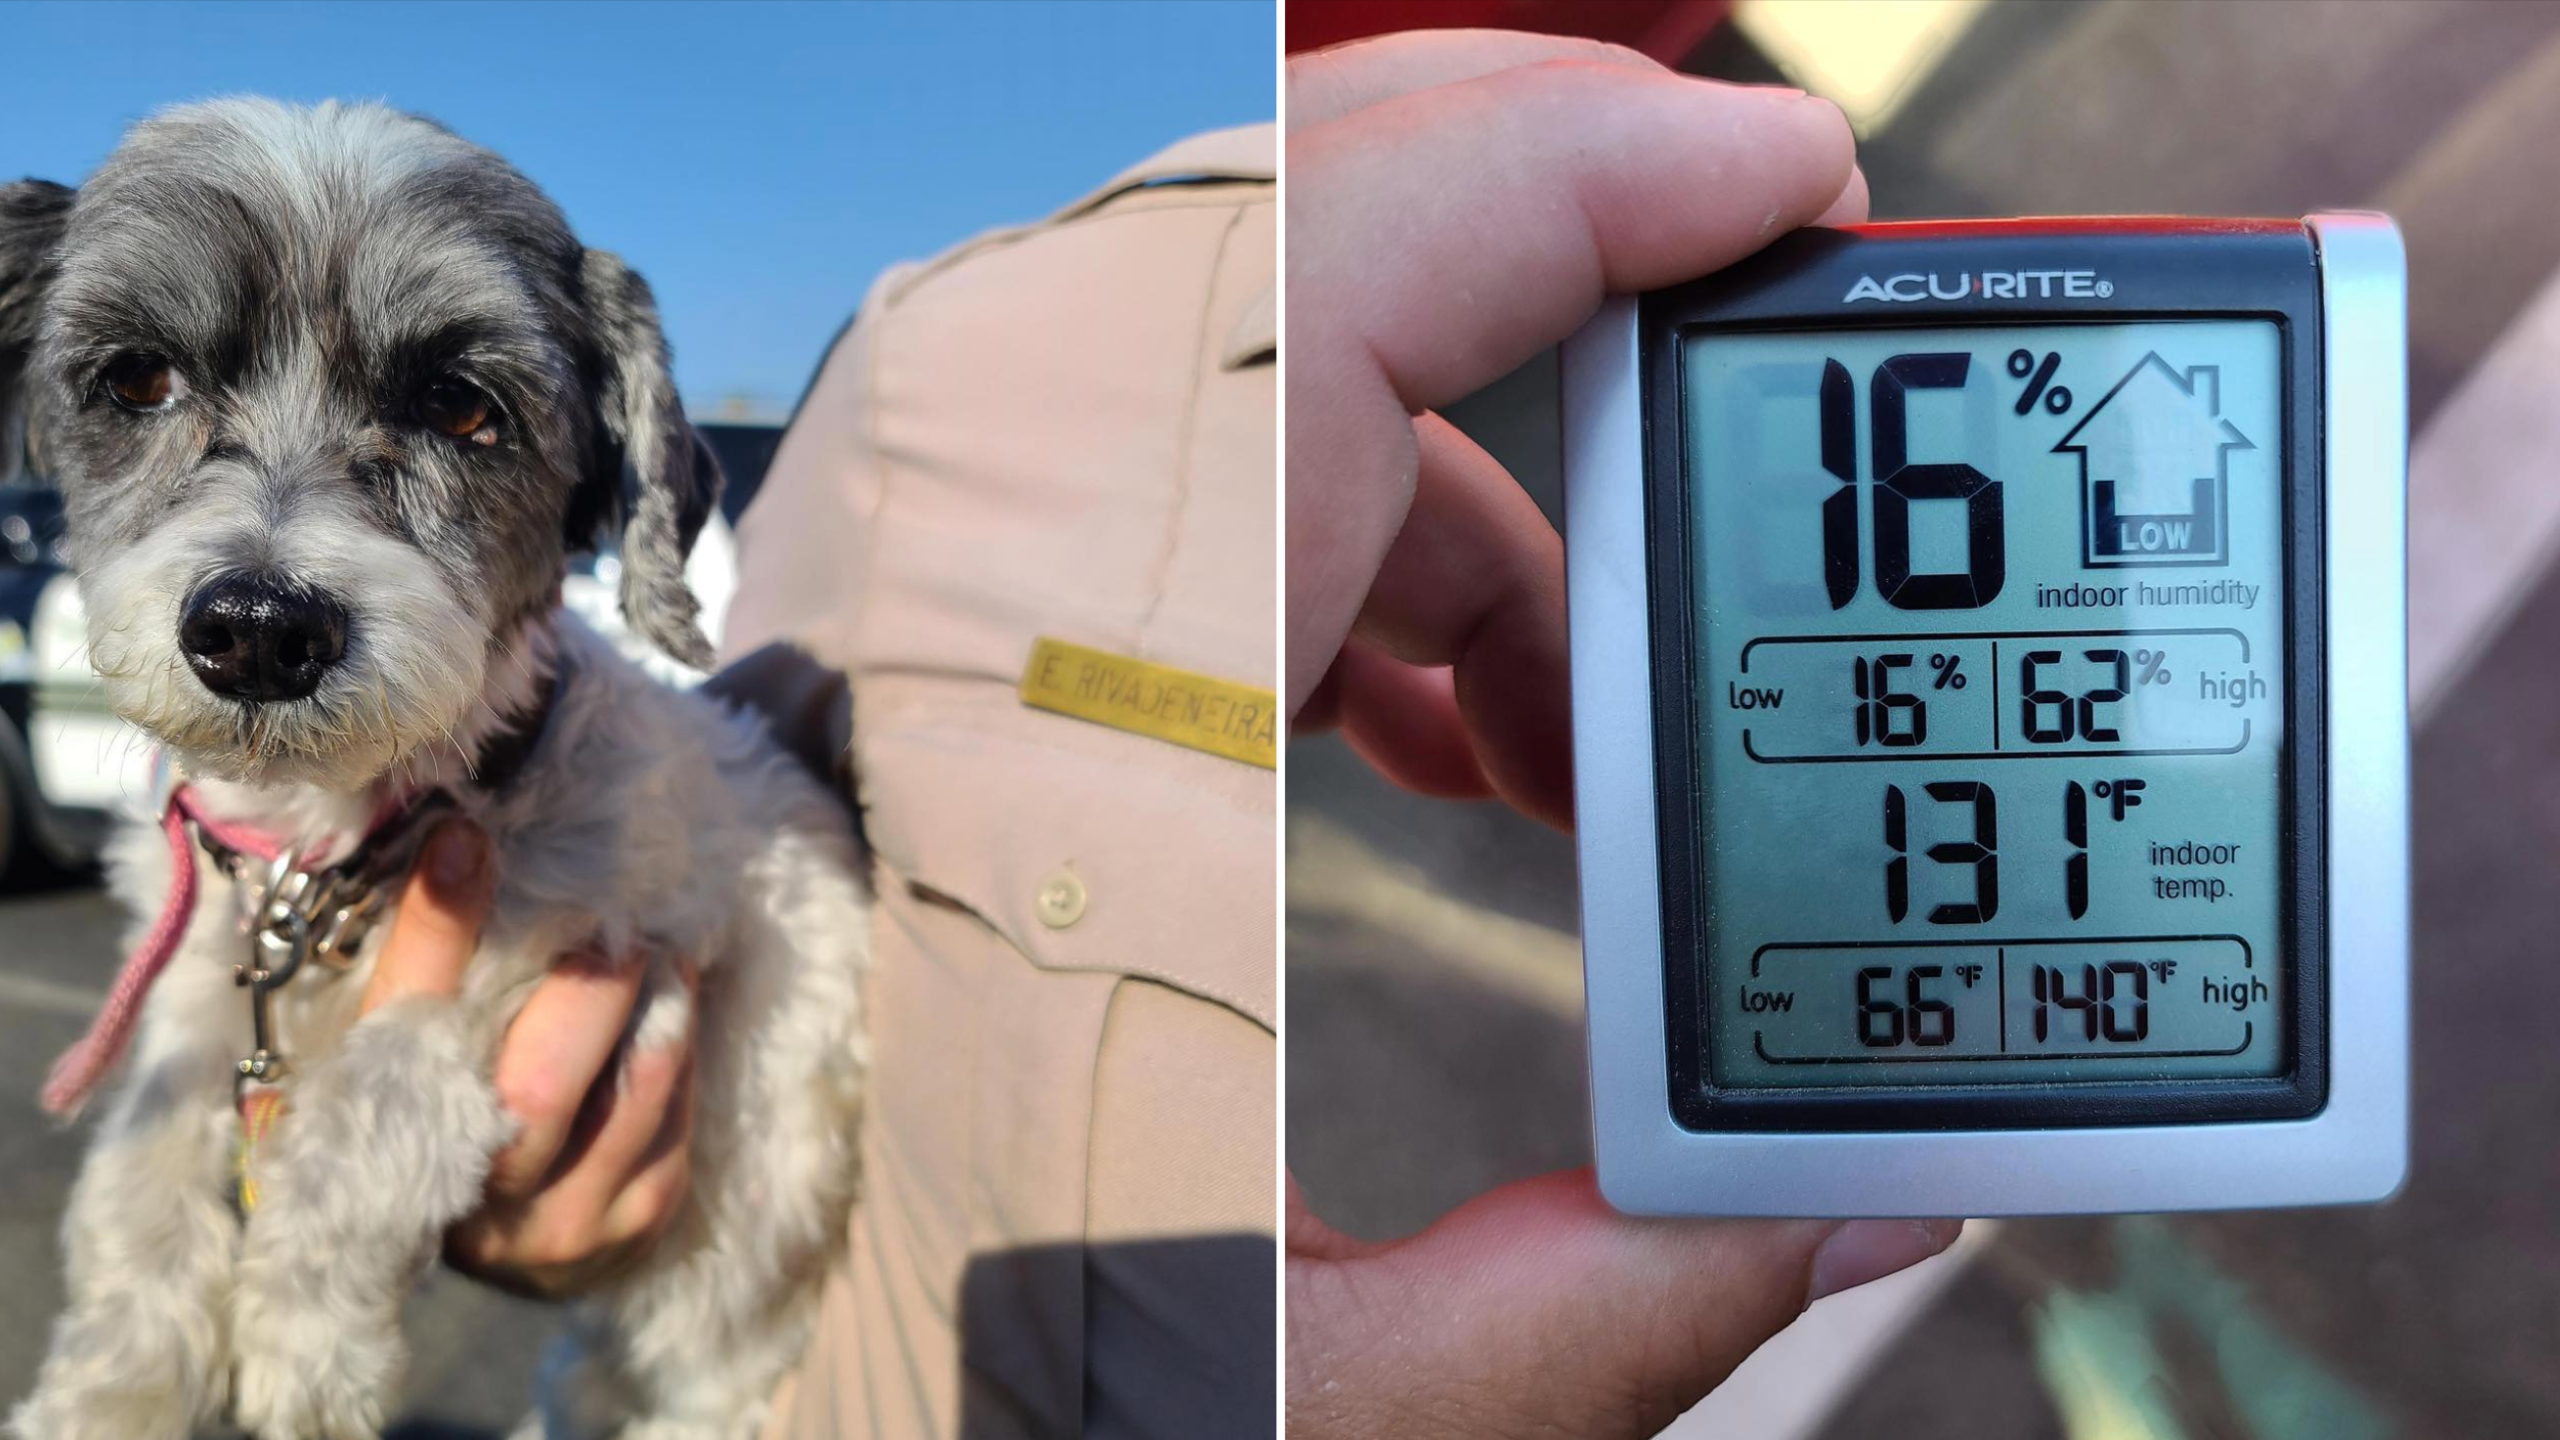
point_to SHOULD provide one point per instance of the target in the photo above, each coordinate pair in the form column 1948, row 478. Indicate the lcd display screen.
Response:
column 1990, row 651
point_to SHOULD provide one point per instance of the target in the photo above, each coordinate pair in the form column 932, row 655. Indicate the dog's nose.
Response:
column 252, row 637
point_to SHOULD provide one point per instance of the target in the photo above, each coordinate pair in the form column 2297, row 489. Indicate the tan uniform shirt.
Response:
column 1063, row 430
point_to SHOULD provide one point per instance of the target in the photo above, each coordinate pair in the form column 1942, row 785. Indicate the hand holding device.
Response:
column 1429, row 253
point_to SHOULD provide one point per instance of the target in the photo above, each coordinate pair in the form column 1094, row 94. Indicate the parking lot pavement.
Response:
column 475, row 1351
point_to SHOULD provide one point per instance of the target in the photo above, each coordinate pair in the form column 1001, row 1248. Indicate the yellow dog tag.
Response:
column 260, row 1108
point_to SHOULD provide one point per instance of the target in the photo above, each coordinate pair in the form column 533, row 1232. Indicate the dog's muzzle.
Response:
column 253, row 637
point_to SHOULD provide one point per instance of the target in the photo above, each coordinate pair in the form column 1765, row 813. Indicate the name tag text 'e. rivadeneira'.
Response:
column 1202, row 712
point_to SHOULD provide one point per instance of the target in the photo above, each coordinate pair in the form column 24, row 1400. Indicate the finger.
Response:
column 625, row 1120
column 1457, row 231
column 1850, row 207
column 1322, row 709
column 1438, row 239
column 604, row 1195
column 437, row 927
column 1533, row 1294
column 489, row 1245
column 1334, row 82
column 555, row 1049
column 629, row 1113
column 651, row 1195
column 1475, row 581
column 1305, row 1236
column 1403, row 719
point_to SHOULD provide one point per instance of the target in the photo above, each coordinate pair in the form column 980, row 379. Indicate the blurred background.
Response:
column 760, row 164
column 1434, row 980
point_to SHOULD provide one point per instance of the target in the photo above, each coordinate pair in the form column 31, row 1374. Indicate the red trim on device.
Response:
column 2074, row 225
column 1667, row 30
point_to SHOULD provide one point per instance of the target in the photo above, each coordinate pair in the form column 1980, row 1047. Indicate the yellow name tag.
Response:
column 1203, row 712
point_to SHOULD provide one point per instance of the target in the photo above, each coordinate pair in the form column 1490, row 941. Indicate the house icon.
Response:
column 2155, row 457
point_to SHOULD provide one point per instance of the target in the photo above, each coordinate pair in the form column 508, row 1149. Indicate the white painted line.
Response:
column 1335, row 873
column 2484, row 513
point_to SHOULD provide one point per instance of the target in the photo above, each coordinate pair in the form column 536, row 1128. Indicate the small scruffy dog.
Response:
column 332, row 395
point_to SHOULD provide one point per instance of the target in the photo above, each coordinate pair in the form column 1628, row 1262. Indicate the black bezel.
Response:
column 2155, row 270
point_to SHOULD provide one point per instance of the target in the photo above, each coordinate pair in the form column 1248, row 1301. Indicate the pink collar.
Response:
column 77, row 1073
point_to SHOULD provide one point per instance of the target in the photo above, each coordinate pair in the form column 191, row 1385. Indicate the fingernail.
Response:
column 1865, row 1250
column 455, row 855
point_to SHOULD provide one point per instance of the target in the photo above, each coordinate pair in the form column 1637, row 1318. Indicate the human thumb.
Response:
column 441, row 911
column 1538, row 1310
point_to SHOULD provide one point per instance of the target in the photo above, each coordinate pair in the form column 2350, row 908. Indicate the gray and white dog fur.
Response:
column 303, row 272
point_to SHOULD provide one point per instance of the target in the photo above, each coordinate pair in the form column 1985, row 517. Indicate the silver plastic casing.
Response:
column 2354, row 1149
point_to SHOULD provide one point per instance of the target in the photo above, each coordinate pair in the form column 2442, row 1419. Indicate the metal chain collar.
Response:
column 292, row 915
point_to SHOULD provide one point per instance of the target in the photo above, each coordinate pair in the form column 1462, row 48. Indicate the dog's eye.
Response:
column 143, row 382
column 457, row 408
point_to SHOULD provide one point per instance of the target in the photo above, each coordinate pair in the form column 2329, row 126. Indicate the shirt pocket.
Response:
column 1085, row 847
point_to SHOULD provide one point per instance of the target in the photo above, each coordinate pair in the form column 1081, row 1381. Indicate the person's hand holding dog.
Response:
column 597, row 1168
column 1459, row 202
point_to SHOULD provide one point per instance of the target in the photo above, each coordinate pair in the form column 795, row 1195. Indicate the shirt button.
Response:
column 1061, row 901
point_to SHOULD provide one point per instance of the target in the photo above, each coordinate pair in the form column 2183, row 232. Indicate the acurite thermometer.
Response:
column 1990, row 720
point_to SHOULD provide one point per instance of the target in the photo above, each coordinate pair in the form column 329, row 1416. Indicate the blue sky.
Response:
column 758, row 162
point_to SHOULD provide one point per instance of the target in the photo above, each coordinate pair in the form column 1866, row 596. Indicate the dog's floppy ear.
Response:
column 33, row 215
column 655, row 474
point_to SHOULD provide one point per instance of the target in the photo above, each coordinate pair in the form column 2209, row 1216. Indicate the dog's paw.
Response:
column 317, row 1387
column 104, row 1378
